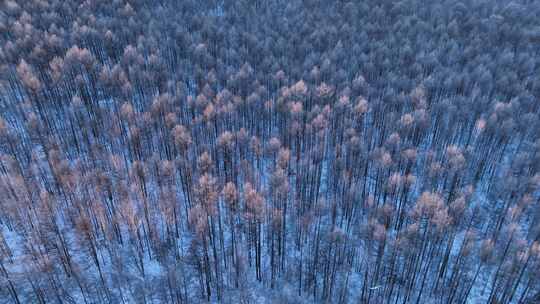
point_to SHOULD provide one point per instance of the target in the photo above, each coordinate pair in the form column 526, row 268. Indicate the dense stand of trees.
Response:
column 295, row 151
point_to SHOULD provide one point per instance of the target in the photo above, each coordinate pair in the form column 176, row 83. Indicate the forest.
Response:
column 270, row 151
